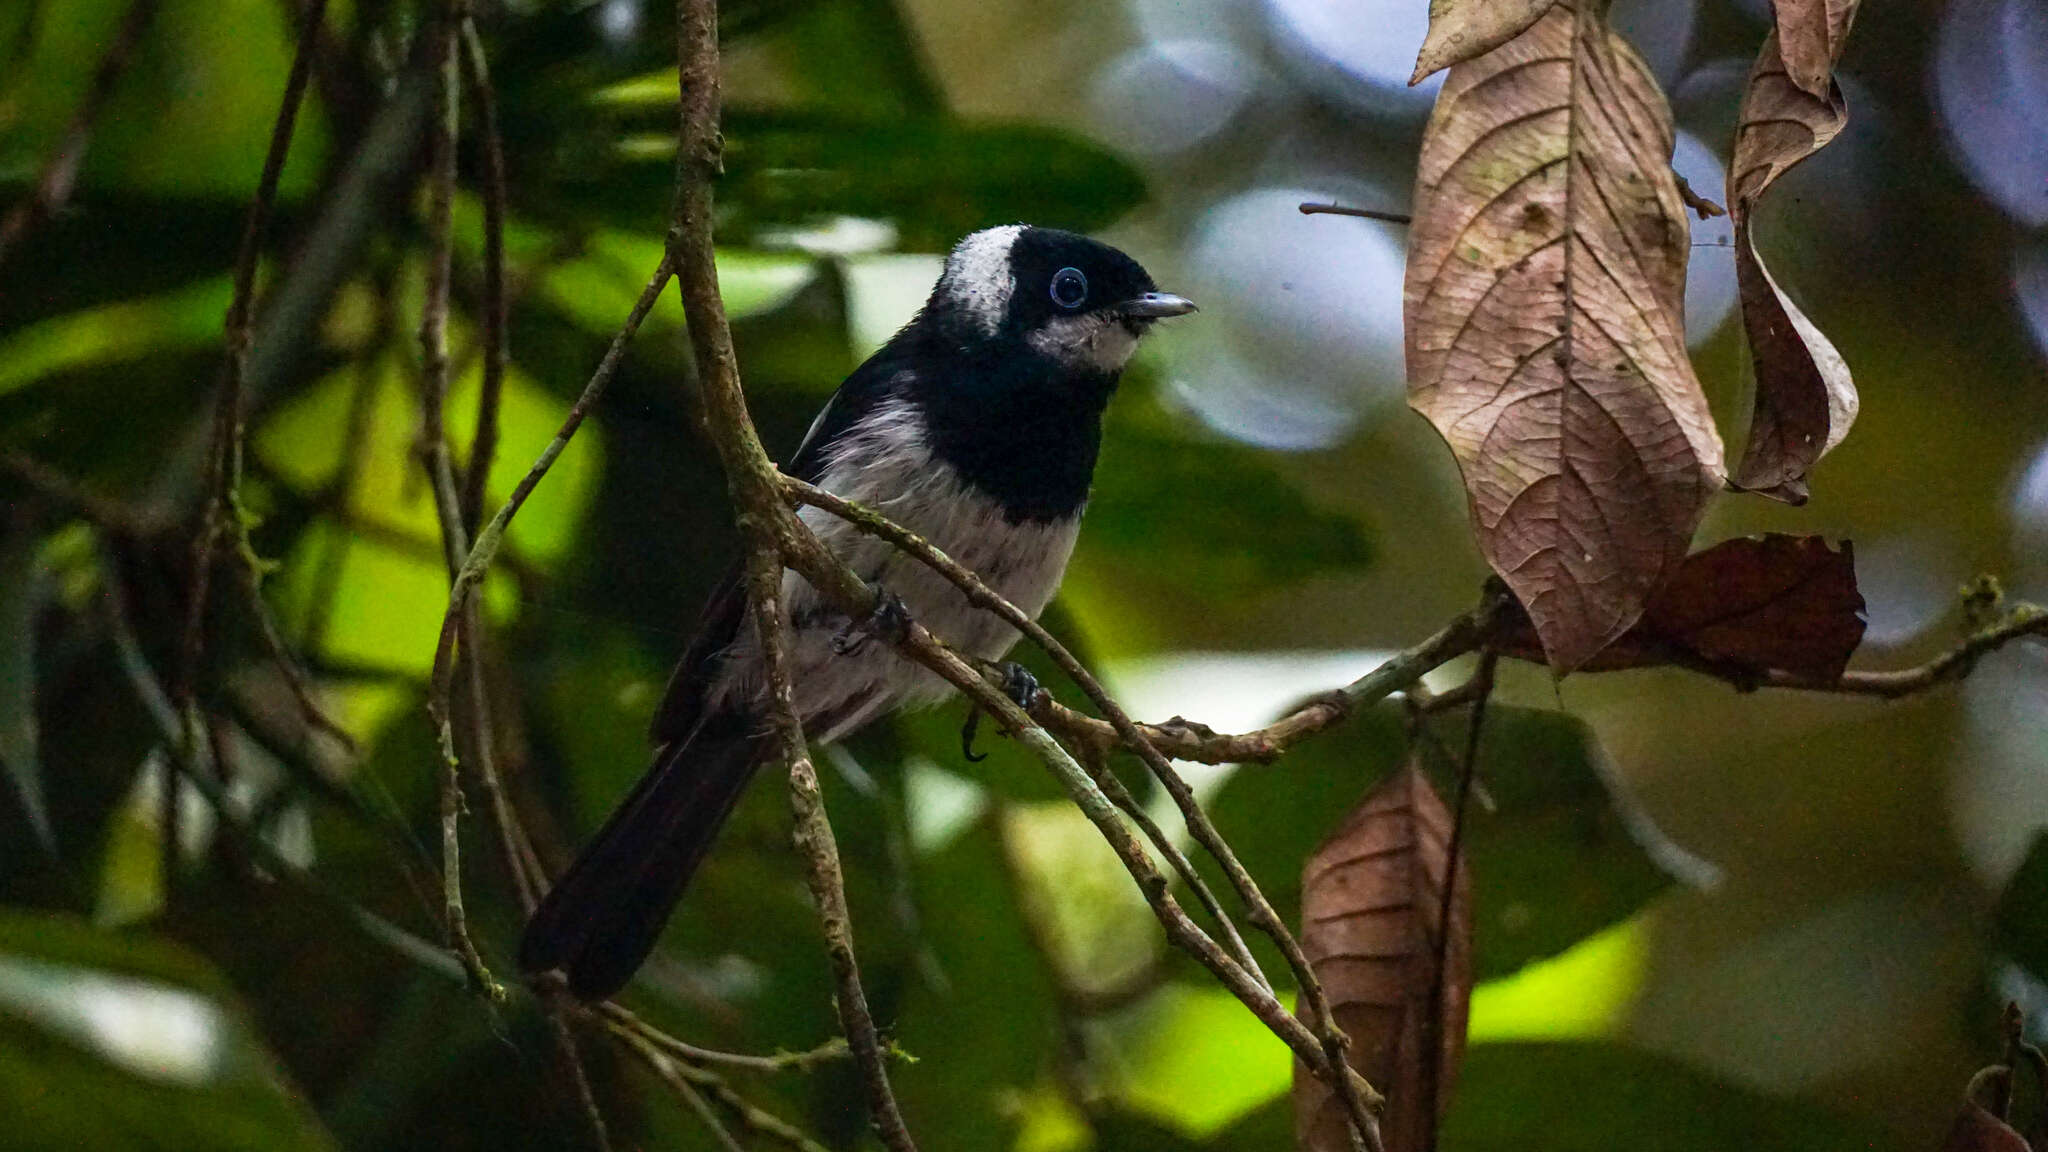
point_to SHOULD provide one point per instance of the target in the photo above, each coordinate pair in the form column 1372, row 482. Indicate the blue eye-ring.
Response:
column 1069, row 288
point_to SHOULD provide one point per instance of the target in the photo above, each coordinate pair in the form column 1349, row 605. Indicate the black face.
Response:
column 1061, row 274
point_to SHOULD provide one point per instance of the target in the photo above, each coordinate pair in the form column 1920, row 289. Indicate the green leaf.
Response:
column 187, row 317
column 1214, row 518
column 982, row 1023
column 191, row 114
column 935, row 178
column 118, row 1040
column 1555, row 863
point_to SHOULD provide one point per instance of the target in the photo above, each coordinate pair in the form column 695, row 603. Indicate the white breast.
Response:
column 886, row 464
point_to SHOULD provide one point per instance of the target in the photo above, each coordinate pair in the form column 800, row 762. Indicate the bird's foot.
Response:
column 1020, row 686
column 889, row 619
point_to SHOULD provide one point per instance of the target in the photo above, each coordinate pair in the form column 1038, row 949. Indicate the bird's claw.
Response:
column 967, row 732
column 1022, row 689
column 1019, row 685
column 889, row 619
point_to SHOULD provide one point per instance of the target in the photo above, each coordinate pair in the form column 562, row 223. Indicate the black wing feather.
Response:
column 682, row 703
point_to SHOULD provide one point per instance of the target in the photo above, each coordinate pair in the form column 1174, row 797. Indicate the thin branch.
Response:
column 688, row 1079
column 1261, row 912
column 63, row 493
column 485, row 548
column 288, row 668
column 433, row 451
column 572, row 1061
column 1481, row 686
column 496, row 346
column 220, row 510
column 831, row 1051
column 672, row 1074
column 750, row 478
column 2021, row 620
column 60, row 174
column 1361, row 213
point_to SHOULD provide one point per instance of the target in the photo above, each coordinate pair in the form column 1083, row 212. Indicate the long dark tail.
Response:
column 603, row 916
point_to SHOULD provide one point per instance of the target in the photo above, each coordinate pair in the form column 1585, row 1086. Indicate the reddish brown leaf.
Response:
column 1462, row 29
column 1371, row 900
column 1805, row 398
column 1977, row 1130
column 1544, row 308
column 1810, row 38
column 1746, row 606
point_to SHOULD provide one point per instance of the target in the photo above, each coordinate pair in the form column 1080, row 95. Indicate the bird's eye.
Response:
column 1069, row 288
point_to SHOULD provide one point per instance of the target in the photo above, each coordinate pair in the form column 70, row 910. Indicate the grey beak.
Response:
column 1158, row 306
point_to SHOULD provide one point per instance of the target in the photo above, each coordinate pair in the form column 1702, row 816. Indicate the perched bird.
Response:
column 975, row 427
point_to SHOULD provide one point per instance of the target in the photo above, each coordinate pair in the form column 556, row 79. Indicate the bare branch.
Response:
column 1313, row 209
column 433, row 451
column 496, row 347
column 572, row 1060
column 750, row 478
column 690, row 1080
column 832, row 1050
column 1480, row 687
column 1262, row 915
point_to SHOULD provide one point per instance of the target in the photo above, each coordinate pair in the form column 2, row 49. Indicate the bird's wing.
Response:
column 682, row 704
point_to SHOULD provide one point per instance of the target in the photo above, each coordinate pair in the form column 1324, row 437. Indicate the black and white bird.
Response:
column 976, row 427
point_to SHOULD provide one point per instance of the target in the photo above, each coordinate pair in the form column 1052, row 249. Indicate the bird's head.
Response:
column 1078, row 303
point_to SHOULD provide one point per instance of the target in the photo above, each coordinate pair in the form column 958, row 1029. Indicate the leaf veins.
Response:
column 1805, row 398
column 1371, row 901
column 1544, row 308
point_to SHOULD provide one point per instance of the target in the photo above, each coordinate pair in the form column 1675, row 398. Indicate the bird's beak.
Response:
column 1158, row 306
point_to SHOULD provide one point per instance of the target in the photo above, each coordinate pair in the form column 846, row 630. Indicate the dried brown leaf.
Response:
column 1811, row 34
column 1372, row 896
column 1805, row 398
column 1544, row 308
column 1977, row 1130
column 1462, row 29
column 1744, row 606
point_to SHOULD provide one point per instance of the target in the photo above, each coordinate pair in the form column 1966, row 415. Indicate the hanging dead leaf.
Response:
column 1371, row 902
column 1805, row 397
column 1462, row 29
column 1746, row 606
column 1977, row 1130
column 1544, row 309
column 1810, row 38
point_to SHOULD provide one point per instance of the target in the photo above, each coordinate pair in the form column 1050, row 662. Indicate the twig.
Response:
column 672, row 1074
column 1702, row 207
column 220, row 510
column 980, row 594
column 60, row 174
column 832, row 1050
column 61, row 492
column 686, row 1078
column 484, row 549
column 484, row 445
column 433, row 451
column 1481, row 686
column 1312, row 209
column 750, row 480
column 572, row 1060
column 2021, row 620
column 288, row 668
